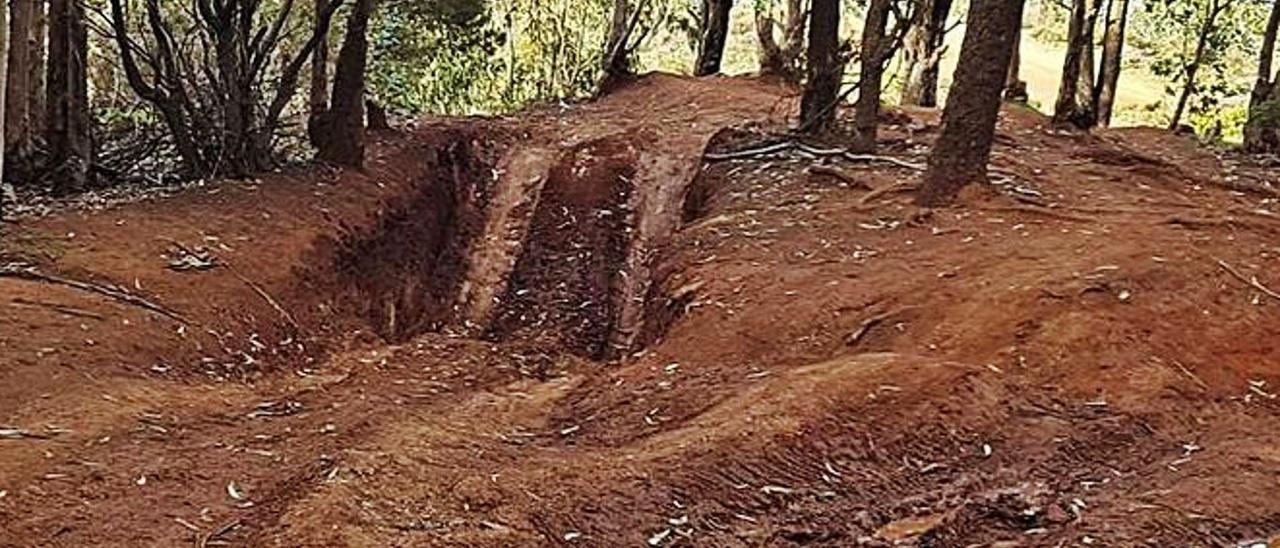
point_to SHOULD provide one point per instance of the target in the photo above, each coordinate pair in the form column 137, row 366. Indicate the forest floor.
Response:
column 599, row 326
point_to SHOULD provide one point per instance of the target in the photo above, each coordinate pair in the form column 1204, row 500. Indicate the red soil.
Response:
column 413, row 355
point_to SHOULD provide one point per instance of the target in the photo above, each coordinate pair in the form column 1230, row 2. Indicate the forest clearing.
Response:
column 753, row 310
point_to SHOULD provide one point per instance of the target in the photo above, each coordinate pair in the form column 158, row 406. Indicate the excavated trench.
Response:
column 552, row 246
column 400, row 275
column 574, row 252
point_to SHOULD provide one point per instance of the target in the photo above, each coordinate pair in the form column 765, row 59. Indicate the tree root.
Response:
column 31, row 273
column 787, row 146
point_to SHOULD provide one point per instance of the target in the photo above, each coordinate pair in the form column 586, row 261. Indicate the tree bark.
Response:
column 67, row 132
column 866, row 111
column 818, row 104
column 1215, row 8
column 1112, row 55
column 782, row 60
column 1085, row 89
column 1262, row 129
column 17, row 137
column 1015, row 90
column 1067, row 109
column 715, row 32
column 616, row 61
column 318, row 98
column 343, row 136
column 922, row 54
column 4, row 77
column 963, row 147
column 36, row 69
column 376, row 114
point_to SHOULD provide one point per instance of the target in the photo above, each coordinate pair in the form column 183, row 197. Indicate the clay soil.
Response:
column 575, row 327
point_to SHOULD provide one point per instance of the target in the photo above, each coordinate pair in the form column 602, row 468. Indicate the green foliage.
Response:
column 1165, row 33
column 475, row 56
column 433, row 56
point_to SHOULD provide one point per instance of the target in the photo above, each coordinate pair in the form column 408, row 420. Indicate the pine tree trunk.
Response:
column 1066, row 110
column 818, row 104
column 343, row 137
column 67, row 131
column 866, row 112
column 1262, row 129
column 963, row 148
column 922, row 54
column 1112, row 56
column 318, row 99
column 714, row 35
column 17, row 137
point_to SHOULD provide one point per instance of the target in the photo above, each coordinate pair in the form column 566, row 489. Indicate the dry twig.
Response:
column 265, row 296
column 1251, row 281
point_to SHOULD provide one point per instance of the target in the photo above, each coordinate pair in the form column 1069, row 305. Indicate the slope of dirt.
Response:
column 567, row 328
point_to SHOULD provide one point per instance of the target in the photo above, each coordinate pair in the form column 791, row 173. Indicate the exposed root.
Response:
column 788, row 146
column 870, row 197
column 31, row 273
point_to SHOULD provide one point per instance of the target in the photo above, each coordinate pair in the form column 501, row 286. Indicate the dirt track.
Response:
column 566, row 328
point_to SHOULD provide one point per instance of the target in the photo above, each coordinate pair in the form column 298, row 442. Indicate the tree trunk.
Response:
column 1262, row 129
column 782, row 60
column 866, row 112
column 1015, row 90
column 1112, row 51
column 1189, row 72
column 17, row 137
column 963, row 147
column 715, row 31
column 1066, row 110
column 36, row 70
column 67, row 131
column 342, row 141
column 922, row 54
column 376, row 114
column 4, row 77
column 818, row 104
column 1087, row 111
column 616, row 61
column 318, row 99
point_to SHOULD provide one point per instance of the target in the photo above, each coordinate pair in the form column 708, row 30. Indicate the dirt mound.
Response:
column 569, row 328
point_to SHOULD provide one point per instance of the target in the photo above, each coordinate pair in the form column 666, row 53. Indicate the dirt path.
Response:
column 566, row 328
